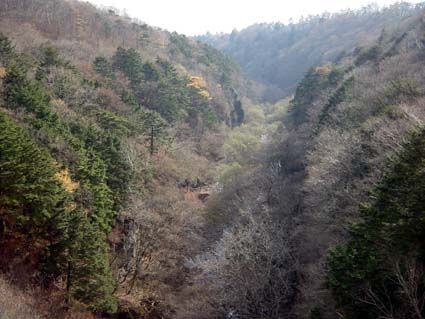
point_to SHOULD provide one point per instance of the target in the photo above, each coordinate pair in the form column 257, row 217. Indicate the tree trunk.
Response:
column 152, row 144
column 68, row 282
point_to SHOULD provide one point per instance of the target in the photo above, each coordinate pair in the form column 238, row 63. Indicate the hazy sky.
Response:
column 192, row 17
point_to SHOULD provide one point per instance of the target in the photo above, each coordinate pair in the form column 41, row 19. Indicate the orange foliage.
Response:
column 2, row 73
column 189, row 195
column 323, row 70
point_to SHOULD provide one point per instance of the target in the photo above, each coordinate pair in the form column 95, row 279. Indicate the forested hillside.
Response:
column 343, row 165
column 277, row 55
column 110, row 130
column 141, row 178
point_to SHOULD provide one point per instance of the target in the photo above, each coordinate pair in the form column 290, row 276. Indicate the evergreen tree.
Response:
column 129, row 62
column 21, row 92
column 198, row 108
column 7, row 50
column 155, row 130
column 89, row 277
column 150, row 73
column 383, row 250
column 103, row 67
column 30, row 193
column 32, row 200
column 168, row 102
column 107, row 146
column 49, row 57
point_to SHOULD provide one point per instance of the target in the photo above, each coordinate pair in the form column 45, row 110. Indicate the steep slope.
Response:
column 297, row 202
column 102, row 119
column 345, row 121
column 81, row 32
column 379, row 272
column 277, row 55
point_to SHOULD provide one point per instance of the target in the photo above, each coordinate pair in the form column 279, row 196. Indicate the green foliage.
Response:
column 103, row 67
column 229, row 172
column 180, row 44
column 160, row 88
column 316, row 313
column 373, row 54
column 388, row 243
column 154, row 128
column 335, row 76
column 89, row 275
column 242, row 144
column 225, row 79
column 129, row 62
column 49, row 56
column 78, row 237
column 129, row 99
column 7, row 50
column 30, row 193
column 307, row 90
column 107, row 147
column 336, row 97
column 199, row 112
column 34, row 202
column 167, row 101
column 68, row 130
column 113, row 123
column 166, row 92
column 150, row 72
column 21, row 92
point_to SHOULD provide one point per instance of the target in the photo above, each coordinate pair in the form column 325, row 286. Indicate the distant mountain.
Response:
column 344, row 180
column 278, row 55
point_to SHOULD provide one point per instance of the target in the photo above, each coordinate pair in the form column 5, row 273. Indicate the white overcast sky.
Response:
column 193, row 17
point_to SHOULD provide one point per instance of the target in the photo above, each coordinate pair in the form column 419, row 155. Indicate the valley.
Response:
column 274, row 172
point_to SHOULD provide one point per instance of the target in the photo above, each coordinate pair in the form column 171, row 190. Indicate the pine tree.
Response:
column 21, row 92
column 7, row 50
column 391, row 234
column 30, row 193
column 89, row 277
column 155, row 130
column 150, row 72
column 49, row 57
column 129, row 62
column 103, row 67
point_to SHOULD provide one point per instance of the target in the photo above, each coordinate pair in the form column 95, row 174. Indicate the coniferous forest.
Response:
column 273, row 172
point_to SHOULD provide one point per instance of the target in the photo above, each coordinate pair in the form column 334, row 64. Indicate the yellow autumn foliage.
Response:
column 68, row 184
column 199, row 83
column 2, row 73
column 205, row 93
column 59, row 103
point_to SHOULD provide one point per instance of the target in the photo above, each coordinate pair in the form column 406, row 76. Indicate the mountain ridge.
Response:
column 278, row 55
